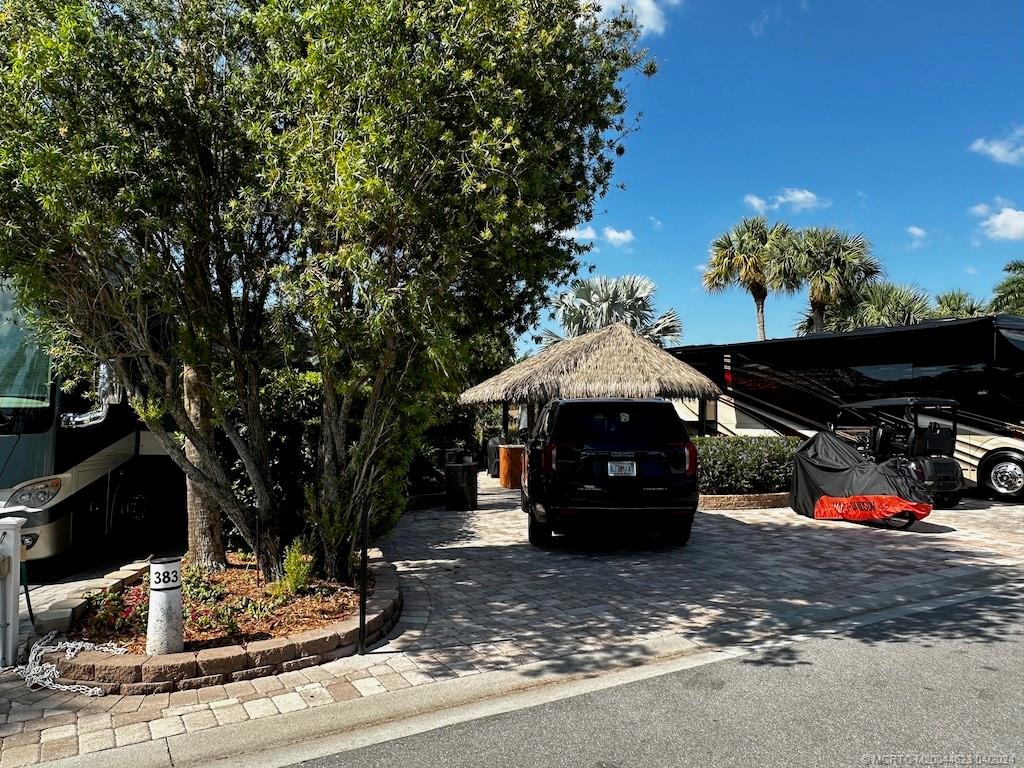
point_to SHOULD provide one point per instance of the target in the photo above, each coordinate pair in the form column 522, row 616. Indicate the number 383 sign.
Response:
column 165, row 574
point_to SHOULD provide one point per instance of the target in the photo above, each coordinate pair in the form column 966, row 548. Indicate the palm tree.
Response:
column 595, row 302
column 834, row 265
column 1008, row 296
column 959, row 303
column 749, row 256
column 873, row 304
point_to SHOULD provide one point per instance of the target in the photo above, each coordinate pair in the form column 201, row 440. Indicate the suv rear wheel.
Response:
column 678, row 531
column 538, row 533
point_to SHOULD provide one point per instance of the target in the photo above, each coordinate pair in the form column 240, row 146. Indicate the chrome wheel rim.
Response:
column 1007, row 477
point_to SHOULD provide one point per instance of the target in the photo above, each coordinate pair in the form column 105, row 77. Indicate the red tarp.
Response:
column 862, row 508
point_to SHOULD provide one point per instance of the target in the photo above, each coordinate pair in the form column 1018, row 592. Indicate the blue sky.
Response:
column 900, row 119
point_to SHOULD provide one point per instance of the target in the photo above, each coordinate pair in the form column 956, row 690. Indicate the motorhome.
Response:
column 80, row 470
column 795, row 386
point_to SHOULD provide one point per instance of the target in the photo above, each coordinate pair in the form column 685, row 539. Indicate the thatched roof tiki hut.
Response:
column 614, row 361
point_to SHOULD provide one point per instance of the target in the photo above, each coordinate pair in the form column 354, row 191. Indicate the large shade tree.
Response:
column 355, row 191
column 751, row 256
column 595, row 302
column 834, row 265
column 1008, row 295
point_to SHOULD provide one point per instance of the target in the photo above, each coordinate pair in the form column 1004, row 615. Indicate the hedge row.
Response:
column 743, row 464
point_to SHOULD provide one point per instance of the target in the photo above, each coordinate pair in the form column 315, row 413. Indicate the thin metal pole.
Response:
column 361, row 647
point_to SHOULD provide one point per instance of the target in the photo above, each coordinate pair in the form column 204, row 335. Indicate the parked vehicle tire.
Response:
column 678, row 531
column 524, row 503
column 1003, row 474
column 538, row 533
column 947, row 500
column 900, row 521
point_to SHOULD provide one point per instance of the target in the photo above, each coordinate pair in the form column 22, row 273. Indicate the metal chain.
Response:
column 40, row 674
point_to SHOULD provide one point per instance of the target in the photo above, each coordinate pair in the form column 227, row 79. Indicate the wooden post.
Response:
column 504, row 420
column 702, row 417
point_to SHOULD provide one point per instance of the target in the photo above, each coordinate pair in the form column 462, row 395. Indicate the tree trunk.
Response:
column 759, row 304
column 818, row 317
column 205, row 536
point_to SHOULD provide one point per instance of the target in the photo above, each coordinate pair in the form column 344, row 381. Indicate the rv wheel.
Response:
column 900, row 521
column 1005, row 475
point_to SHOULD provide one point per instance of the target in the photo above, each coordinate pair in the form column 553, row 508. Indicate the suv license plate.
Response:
column 621, row 469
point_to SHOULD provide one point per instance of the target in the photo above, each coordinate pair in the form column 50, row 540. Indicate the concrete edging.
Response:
column 744, row 501
column 133, row 674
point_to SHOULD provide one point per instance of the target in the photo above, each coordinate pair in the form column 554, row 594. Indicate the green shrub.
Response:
column 298, row 568
column 743, row 464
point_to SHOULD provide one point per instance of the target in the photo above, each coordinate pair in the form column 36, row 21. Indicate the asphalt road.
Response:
column 947, row 684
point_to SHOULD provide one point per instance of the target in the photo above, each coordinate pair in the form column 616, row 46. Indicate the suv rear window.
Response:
column 611, row 425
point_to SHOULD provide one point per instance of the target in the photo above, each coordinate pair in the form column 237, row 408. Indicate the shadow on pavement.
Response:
column 612, row 591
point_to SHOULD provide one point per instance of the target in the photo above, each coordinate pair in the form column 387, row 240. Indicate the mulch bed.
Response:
column 223, row 598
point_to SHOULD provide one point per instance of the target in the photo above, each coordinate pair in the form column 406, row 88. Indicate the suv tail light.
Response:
column 691, row 459
column 549, row 456
column 690, row 452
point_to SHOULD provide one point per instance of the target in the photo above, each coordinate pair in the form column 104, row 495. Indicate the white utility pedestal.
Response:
column 10, row 586
column 166, row 632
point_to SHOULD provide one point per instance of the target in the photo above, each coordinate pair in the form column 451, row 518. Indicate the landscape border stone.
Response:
column 744, row 501
column 133, row 674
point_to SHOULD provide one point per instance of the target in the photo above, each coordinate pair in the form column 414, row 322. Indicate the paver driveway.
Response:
column 490, row 599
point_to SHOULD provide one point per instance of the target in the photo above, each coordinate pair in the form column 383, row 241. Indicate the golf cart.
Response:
column 917, row 435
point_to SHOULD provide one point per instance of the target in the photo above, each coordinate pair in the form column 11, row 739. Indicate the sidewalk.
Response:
column 481, row 604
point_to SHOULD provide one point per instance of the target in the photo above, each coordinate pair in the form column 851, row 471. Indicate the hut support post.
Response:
column 702, row 417
column 504, row 420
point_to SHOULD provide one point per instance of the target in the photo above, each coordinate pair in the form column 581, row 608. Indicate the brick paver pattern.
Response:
column 478, row 597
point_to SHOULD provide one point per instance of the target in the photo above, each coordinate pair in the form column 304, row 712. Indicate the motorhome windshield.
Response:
column 24, row 367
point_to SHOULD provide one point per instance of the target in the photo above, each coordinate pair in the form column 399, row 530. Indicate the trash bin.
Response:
column 460, row 483
column 510, row 466
column 492, row 456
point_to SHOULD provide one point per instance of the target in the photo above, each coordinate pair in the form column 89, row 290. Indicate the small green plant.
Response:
column 298, row 568
column 745, row 464
column 114, row 612
column 196, row 587
column 257, row 609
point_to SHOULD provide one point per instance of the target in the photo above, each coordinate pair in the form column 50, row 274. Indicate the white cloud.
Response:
column 650, row 14
column 758, row 25
column 756, row 203
column 580, row 233
column 618, row 237
column 1008, row 224
column 794, row 199
column 655, row 222
column 984, row 209
column 1008, row 150
column 970, row 270
column 917, row 236
column 700, row 267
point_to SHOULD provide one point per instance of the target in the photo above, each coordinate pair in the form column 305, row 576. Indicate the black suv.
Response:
column 629, row 461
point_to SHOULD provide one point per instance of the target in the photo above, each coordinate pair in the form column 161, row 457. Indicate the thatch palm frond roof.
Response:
column 612, row 362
